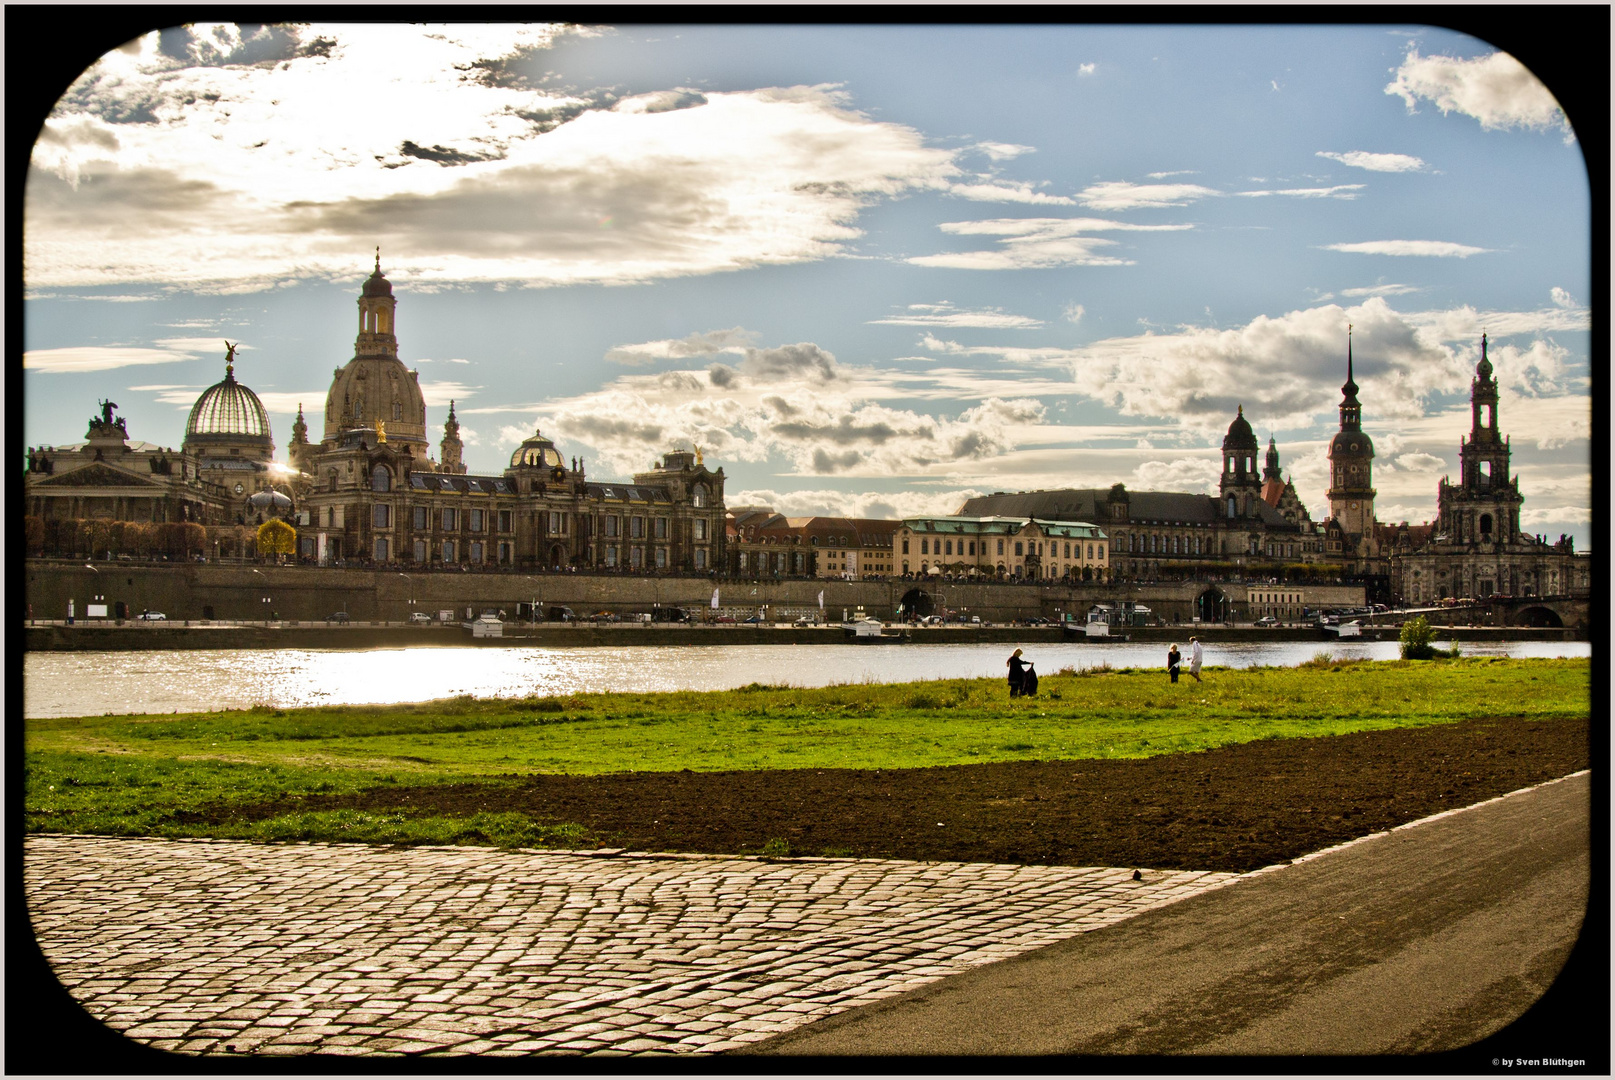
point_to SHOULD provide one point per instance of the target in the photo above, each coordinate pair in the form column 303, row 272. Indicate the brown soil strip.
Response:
column 1235, row 808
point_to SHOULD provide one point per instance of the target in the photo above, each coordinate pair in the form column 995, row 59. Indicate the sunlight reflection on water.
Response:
column 93, row 683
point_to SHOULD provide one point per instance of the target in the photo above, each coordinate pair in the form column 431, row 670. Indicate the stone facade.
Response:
column 375, row 495
column 762, row 543
column 1005, row 548
column 1474, row 547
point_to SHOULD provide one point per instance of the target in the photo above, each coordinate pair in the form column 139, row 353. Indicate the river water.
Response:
column 95, row 683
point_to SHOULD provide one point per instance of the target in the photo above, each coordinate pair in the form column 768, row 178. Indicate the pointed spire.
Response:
column 378, row 258
column 1484, row 368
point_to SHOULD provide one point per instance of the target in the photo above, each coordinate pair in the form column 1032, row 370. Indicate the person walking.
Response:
column 1173, row 659
column 1017, row 673
column 1195, row 657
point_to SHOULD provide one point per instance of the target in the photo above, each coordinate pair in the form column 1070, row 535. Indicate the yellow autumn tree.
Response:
column 276, row 538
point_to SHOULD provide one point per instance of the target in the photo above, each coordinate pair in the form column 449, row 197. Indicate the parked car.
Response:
column 419, row 617
column 724, row 619
column 931, row 620
column 340, row 616
column 806, row 620
column 1267, row 620
column 153, row 616
column 605, row 616
column 755, row 620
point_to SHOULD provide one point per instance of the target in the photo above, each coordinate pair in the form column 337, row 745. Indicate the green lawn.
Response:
column 132, row 774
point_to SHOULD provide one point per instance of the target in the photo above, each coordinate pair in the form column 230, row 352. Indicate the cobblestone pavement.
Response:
column 211, row 947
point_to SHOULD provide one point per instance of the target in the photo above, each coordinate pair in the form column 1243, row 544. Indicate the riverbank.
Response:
column 112, row 636
column 370, row 773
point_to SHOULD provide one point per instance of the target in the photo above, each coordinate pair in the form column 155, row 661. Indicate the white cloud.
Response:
column 1434, row 248
column 1563, row 299
column 1074, row 312
column 1199, row 474
column 945, row 314
column 1005, row 191
column 873, row 504
column 1339, row 191
column 710, row 343
column 75, row 358
column 998, row 151
column 1085, row 69
column 1363, row 159
column 1497, row 90
column 1122, row 195
column 1380, row 290
column 229, row 175
column 1037, row 243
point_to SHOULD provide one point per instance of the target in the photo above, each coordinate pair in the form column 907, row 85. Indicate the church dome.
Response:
column 227, row 411
column 377, row 284
column 536, row 451
column 1351, row 444
column 1240, row 436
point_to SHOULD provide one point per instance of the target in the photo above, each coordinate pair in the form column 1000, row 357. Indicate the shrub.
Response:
column 1415, row 639
column 777, row 848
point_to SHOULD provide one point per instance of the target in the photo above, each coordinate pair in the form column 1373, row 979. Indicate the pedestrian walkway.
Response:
column 217, row 947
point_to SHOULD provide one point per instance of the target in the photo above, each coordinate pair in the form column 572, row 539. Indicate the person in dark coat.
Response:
column 1173, row 660
column 1017, row 673
column 1029, row 681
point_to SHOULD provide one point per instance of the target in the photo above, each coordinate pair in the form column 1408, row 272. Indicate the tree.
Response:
column 192, row 538
column 1415, row 639
column 276, row 537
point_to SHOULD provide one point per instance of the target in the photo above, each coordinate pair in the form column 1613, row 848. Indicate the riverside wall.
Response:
column 258, row 592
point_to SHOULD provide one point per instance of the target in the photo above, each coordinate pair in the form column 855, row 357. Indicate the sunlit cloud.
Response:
column 77, row 358
column 1441, row 249
column 1121, row 195
column 213, row 173
column 1496, row 89
column 945, row 314
column 1363, row 159
column 1037, row 243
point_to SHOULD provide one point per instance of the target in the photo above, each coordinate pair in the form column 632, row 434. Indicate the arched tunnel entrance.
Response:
column 916, row 603
column 1211, row 606
column 1539, row 616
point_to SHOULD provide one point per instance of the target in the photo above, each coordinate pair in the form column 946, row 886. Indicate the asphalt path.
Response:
column 1424, row 939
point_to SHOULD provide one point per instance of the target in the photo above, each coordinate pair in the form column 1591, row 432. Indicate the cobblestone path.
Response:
column 213, row 947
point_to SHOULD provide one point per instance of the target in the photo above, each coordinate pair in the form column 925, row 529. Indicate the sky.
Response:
column 868, row 270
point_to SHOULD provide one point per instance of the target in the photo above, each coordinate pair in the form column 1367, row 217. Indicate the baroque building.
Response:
column 1245, row 530
column 1474, row 547
column 376, row 495
column 1002, row 548
column 762, row 543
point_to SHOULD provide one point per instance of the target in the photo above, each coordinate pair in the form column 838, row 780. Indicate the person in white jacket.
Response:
column 1194, row 658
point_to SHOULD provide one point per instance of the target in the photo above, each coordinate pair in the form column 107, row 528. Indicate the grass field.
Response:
column 144, row 774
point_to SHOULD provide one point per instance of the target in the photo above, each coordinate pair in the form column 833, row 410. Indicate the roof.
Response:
column 462, row 485
column 965, row 525
column 1088, row 504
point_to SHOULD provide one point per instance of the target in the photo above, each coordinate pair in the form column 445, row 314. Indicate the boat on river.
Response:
column 1105, row 624
column 868, row 631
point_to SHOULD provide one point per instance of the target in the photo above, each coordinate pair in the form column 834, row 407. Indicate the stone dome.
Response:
column 1240, row 436
column 1351, row 444
column 377, row 284
column 228, row 412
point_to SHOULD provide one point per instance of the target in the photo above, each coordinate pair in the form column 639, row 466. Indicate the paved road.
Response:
column 213, row 947
column 1423, row 939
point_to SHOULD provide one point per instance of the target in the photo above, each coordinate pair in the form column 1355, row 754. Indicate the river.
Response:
column 160, row 681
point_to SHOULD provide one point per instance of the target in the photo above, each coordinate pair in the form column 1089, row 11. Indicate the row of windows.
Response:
column 1036, row 547
column 449, row 519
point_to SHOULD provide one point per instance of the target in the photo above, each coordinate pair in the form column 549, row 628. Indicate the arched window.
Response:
column 381, row 478
column 331, row 481
column 698, row 495
column 1486, row 524
column 1230, row 506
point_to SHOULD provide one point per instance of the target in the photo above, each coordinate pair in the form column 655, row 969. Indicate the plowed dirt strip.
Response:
column 1233, row 809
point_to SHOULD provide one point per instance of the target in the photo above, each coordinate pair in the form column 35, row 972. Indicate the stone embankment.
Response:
column 134, row 635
